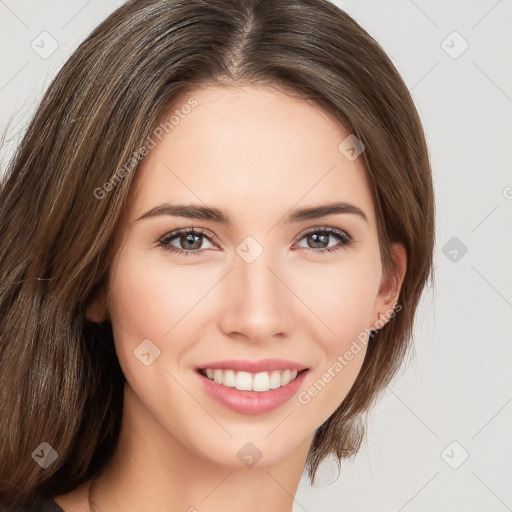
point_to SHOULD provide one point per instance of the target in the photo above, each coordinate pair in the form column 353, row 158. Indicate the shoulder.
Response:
column 44, row 504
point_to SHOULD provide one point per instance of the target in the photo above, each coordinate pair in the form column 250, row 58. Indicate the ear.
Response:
column 390, row 286
column 97, row 311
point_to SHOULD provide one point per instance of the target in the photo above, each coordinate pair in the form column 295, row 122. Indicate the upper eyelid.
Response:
column 323, row 228
column 183, row 231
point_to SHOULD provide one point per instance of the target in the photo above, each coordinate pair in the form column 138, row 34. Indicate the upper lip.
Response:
column 260, row 365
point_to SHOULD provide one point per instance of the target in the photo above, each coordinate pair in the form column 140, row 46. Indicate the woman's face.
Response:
column 260, row 279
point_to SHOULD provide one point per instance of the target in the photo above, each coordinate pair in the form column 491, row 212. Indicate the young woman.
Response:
column 214, row 236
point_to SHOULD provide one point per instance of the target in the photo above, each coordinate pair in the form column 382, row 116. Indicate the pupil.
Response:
column 191, row 239
column 316, row 240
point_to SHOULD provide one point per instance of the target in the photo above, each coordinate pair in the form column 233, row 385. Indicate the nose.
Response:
column 258, row 302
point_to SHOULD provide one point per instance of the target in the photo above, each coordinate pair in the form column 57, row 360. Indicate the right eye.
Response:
column 190, row 241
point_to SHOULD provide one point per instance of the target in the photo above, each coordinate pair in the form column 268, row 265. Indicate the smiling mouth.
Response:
column 246, row 381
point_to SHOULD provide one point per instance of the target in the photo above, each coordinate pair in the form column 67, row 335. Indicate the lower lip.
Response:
column 251, row 402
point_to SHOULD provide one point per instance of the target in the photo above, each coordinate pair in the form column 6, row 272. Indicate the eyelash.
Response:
column 345, row 239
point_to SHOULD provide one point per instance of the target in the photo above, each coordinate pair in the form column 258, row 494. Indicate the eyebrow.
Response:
column 192, row 211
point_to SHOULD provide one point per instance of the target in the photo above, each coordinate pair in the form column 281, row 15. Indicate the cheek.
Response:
column 143, row 306
column 150, row 297
column 137, row 299
column 345, row 306
column 343, row 297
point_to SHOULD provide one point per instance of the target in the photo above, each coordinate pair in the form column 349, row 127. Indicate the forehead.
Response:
column 248, row 146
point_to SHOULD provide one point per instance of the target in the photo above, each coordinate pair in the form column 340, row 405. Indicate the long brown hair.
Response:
column 63, row 195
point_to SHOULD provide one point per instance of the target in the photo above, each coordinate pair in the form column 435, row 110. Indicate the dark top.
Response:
column 41, row 505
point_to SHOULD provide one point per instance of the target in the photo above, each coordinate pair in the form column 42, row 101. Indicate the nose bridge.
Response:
column 259, row 302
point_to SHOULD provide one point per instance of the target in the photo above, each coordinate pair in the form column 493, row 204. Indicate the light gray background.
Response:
column 457, row 388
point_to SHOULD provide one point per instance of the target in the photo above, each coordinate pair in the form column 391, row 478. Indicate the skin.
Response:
column 256, row 153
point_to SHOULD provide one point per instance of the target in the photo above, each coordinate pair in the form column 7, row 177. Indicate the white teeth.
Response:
column 229, row 378
column 261, row 382
column 275, row 379
column 245, row 381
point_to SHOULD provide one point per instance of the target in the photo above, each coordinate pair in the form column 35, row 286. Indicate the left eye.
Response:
column 319, row 237
column 190, row 241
